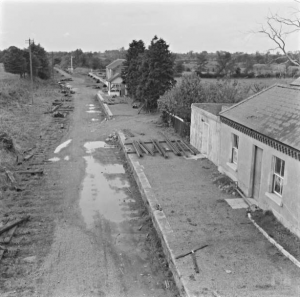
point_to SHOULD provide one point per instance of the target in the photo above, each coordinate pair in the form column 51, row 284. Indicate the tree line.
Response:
column 239, row 64
column 17, row 61
column 91, row 60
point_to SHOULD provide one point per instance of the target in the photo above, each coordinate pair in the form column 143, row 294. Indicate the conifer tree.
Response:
column 130, row 73
column 156, row 73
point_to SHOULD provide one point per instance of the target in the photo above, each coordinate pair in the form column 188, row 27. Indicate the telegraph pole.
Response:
column 52, row 67
column 30, row 58
column 71, row 64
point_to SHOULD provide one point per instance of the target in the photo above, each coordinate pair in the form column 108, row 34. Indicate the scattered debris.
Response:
column 6, row 141
column 112, row 137
column 192, row 277
column 11, row 225
column 37, row 171
column 128, row 133
column 63, row 145
column 26, row 158
column 6, row 238
column 58, row 114
column 167, row 284
column 188, row 253
column 10, row 176
column 31, row 259
column 196, row 267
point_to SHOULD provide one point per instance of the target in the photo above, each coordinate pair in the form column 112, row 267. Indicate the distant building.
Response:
column 113, row 78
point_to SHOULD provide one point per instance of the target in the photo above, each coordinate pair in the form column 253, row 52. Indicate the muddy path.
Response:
column 92, row 234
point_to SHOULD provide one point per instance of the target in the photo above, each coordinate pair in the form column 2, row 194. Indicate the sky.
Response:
column 99, row 25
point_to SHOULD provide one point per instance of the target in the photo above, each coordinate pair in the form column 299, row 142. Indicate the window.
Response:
column 235, row 149
column 278, row 176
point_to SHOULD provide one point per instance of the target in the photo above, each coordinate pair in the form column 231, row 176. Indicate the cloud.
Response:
column 67, row 34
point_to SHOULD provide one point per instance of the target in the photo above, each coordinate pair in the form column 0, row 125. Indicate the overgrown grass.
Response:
column 20, row 120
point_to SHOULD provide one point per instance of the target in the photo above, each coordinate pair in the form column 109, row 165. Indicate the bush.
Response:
column 179, row 99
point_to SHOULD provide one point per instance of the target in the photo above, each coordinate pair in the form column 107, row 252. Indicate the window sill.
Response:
column 232, row 166
column 275, row 198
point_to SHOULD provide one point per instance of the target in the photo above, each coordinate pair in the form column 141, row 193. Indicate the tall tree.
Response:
column 278, row 28
column 40, row 61
column 130, row 72
column 156, row 72
column 14, row 61
column 201, row 61
column 225, row 61
column 179, row 68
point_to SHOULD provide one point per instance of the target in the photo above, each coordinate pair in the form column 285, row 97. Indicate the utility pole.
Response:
column 31, row 78
column 52, row 66
column 71, row 64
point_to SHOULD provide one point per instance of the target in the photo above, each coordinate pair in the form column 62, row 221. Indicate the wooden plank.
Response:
column 181, row 148
column 142, row 147
column 10, row 176
column 164, row 153
column 197, row 249
column 142, row 144
column 38, row 171
column 192, row 148
column 12, row 224
column 56, row 107
column 26, row 158
column 156, row 147
column 136, row 150
column 188, row 147
column 138, row 147
column 196, row 267
column 9, row 234
column 173, row 148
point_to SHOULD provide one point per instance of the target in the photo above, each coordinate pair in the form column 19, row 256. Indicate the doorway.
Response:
column 205, row 135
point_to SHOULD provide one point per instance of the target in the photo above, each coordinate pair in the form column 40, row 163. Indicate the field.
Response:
column 250, row 81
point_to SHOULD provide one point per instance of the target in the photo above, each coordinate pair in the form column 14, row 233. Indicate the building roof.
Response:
column 115, row 63
column 296, row 82
column 114, row 77
column 273, row 112
column 213, row 108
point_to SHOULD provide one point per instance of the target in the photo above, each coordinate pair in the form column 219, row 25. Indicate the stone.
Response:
column 31, row 259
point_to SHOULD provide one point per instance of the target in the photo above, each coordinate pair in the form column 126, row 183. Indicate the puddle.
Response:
column 93, row 145
column 95, row 120
column 102, row 192
column 63, row 145
column 54, row 159
column 67, row 158
column 93, row 111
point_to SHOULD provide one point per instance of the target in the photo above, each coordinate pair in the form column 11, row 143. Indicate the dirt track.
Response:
column 74, row 250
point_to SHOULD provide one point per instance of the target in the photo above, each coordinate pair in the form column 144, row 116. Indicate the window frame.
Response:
column 235, row 148
column 278, row 175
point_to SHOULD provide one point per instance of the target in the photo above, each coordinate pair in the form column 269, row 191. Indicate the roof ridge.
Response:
column 113, row 62
column 252, row 96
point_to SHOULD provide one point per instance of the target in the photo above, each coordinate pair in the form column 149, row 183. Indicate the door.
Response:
column 257, row 172
column 204, row 149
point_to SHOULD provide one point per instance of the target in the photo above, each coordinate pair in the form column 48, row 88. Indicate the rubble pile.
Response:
column 112, row 137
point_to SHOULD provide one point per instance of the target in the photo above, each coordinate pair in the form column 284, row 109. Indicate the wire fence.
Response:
column 180, row 126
